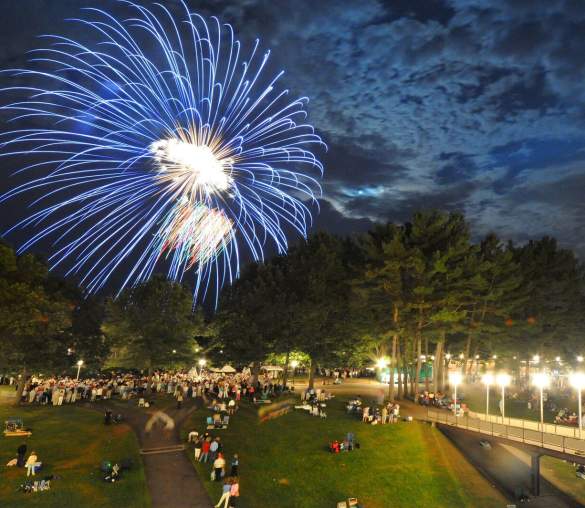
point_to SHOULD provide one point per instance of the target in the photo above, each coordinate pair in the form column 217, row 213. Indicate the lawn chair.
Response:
column 209, row 420
column 141, row 402
column 217, row 420
column 226, row 420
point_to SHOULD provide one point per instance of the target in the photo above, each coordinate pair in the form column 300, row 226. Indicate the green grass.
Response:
column 562, row 475
column 285, row 463
column 71, row 442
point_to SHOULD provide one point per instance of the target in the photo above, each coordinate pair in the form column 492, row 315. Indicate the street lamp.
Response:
column 540, row 380
column 202, row 362
column 487, row 380
column 503, row 380
column 577, row 380
column 580, row 359
column 455, row 380
column 382, row 363
column 294, row 364
column 79, row 364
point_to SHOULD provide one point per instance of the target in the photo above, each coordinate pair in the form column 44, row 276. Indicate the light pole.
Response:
column 294, row 364
column 540, row 380
column 503, row 380
column 487, row 380
column 79, row 364
column 455, row 380
column 577, row 379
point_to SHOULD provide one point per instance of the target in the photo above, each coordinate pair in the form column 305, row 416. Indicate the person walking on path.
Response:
column 225, row 495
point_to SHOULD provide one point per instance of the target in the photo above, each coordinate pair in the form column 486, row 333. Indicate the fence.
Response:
column 523, row 431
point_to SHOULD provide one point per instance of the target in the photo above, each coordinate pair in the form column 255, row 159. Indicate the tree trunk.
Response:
column 418, row 366
column 285, row 374
column 312, row 368
column 255, row 373
column 399, row 370
column 437, row 365
column 393, row 365
column 20, row 386
column 466, row 364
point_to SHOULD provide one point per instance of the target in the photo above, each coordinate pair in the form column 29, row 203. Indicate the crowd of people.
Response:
column 181, row 385
column 374, row 415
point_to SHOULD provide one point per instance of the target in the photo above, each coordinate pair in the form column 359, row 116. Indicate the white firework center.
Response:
column 195, row 173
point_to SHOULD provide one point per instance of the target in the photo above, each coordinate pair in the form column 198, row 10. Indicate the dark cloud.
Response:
column 474, row 105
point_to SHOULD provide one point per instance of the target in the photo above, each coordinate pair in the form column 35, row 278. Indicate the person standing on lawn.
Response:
column 219, row 467
column 235, row 465
column 234, row 493
column 225, row 494
column 205, row 451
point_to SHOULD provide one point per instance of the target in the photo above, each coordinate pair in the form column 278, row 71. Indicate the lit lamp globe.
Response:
column 202, row 362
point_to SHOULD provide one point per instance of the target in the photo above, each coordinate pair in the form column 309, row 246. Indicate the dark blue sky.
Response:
column 469, row 105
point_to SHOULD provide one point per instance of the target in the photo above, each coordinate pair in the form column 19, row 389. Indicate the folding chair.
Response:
column 226, row 420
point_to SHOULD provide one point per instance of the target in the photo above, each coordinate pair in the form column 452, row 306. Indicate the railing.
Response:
column 552, row 441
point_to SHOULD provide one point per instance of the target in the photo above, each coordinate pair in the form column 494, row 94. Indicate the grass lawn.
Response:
column 71, row 442
column 562, row 475
column 285, row 463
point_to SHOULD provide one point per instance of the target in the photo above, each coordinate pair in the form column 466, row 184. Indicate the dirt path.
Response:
column 171, row 478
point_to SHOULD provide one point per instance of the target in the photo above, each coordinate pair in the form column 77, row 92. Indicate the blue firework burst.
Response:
column 158, row 143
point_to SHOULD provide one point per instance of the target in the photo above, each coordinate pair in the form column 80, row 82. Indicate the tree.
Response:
column 151, row 325
column 33, row 316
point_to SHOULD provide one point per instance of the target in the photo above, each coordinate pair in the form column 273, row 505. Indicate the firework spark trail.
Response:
column 179, row 154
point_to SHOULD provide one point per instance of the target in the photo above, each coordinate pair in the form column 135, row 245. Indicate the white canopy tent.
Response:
column 227, row 369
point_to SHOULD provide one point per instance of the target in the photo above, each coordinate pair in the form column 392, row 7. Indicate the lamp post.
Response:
column 446, row 368
column 503, row 380
column 79, row 364
column 540, row 380
column 294, row 364
column 455, row 380
column 487, row 380
column 577, row 379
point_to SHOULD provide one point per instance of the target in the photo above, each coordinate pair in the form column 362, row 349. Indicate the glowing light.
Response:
column 540, row 380
column 294, row 364
column 577, row 380
column 382, row 363
column 157, row 141
column 536, row 359
column 79, row 363
column 448, row 356
column 503, row 379
column 579, row 358
column 455, row 378
column 202, row 362
column 488, row 379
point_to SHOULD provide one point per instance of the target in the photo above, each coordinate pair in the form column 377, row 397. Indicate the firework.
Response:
column 157, row 143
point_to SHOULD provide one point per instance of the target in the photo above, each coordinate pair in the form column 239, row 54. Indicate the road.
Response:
column 509, row 468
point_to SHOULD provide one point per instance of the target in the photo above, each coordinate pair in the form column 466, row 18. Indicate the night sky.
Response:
column 469, row 105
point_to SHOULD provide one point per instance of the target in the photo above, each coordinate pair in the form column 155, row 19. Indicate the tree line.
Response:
column 411, row 292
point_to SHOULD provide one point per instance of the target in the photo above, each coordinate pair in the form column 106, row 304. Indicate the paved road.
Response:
column 509, row 467
column 171, row 478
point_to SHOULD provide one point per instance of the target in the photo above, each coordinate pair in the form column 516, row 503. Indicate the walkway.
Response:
column 170, row 476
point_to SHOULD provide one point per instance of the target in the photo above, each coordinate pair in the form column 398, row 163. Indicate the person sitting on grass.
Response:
column 31, row 463
column 225, row 493
column 219, row 467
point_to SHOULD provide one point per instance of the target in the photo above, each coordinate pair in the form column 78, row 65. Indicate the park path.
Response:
column 170, row 476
